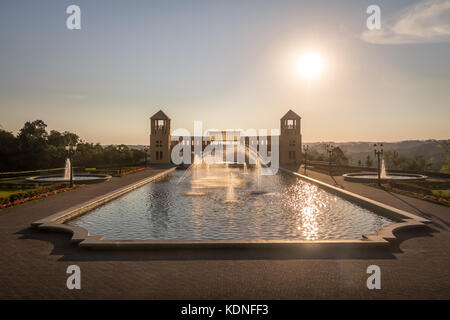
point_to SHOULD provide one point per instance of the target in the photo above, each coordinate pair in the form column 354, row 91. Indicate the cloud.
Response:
column 424, row 22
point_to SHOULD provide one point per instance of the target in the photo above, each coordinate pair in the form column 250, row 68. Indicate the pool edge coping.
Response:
column 81, row 236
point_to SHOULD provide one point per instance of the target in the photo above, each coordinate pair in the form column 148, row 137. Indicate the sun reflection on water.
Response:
column 307, row 203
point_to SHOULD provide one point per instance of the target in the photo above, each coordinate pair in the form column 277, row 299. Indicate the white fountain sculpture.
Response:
column 211, row 177
column 192, row 169
column 383, row 173
column 258, row 174
column 230, row 189
column 245, row 168
column 67, row 169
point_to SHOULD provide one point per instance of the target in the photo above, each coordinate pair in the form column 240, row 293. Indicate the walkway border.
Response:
column 81, row 236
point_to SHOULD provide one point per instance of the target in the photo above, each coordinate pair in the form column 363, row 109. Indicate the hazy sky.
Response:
column 229, row 63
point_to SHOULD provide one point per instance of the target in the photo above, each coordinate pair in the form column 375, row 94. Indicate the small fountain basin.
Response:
column 368, row 177
column 79, row 178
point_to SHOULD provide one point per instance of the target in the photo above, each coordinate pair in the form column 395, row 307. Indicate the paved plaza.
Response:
column 33, row 263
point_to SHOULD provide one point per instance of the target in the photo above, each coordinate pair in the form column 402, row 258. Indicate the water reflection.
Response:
column 230, row 203
column 159, row 211
column 306, row 201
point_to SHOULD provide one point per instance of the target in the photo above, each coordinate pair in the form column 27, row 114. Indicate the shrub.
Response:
column 411, row 187
column 31, row 193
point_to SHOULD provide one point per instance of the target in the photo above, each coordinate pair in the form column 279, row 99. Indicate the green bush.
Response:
column 411, row 187
column 442, row 193
column 30, row 193
column 115, row 172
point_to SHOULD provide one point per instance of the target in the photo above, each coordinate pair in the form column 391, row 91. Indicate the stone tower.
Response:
column 159, row 138
column 290, row 139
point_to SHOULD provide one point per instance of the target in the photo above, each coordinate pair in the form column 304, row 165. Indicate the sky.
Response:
column 232, row 64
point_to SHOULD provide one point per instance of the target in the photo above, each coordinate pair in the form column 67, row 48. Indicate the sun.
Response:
column 310, row 65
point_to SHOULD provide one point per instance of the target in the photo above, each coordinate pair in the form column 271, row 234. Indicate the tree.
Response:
column 9, row 151
column 33, row 148
column 446, row 166
column 33, row 131
column 338, row 157
column 32, row 140
column 419, row 163
column 369, row 162
column 393, row 159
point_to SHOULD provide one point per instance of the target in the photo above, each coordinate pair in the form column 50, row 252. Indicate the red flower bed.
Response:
column 414, row 194
column 131, row 171
column 38, row 196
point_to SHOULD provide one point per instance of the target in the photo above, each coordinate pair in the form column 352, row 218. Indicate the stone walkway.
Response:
column 33, row 263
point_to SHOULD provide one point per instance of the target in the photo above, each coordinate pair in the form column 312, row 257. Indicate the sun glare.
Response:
column 310, row 65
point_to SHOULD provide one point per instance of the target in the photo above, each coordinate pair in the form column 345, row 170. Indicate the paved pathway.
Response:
column 33, row 263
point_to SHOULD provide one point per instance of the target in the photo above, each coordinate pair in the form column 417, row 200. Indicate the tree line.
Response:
column 33, row 148
column 393, row 159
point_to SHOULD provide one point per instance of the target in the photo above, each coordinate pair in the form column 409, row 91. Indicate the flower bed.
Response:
column 124, row 173
column 418, row 195
column 116, row 172
column 22, row 197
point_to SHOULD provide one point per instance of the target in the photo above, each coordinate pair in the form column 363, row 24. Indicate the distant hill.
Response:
column 136, row 146
column 435, row 151
column 131, row 146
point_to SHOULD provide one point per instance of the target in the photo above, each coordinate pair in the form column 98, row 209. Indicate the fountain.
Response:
column 384, row 177
column 296, row 210
column 230, row 189
column 258, row 190
column 195, row 181
column 258, row 174
column 383, row 173
column 245, row 168
column 80, row 178
column 67, row 169
column 205, row 174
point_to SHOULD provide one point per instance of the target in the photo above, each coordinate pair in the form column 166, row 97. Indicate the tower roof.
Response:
column 160, row 115
column 291, row 115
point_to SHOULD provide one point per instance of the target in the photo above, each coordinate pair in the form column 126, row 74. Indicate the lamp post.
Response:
column 305, row 150
column 146, row 154
column 71, row 150
column 120, row 149
column 329, row 149
column 378, row 151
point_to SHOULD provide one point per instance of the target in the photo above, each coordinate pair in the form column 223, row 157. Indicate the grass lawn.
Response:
column 7, row 193
column 11, row 178
column 8, row 198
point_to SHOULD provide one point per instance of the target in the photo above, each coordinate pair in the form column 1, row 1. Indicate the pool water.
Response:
column 229, row 203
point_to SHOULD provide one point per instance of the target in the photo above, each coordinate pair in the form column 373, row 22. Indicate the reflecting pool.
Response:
column 230, row 203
